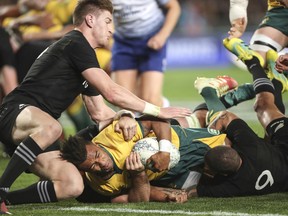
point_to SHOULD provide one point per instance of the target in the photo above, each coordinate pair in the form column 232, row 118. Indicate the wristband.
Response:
column 165, row 145
column 123, row 112
column 238, row 9
column 151, row 109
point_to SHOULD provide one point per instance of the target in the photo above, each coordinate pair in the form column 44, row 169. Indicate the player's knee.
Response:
column 70, row 187
column 75, row 190
column 53, row 130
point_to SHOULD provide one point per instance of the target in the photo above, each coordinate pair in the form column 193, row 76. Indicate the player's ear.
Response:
column 89, row 19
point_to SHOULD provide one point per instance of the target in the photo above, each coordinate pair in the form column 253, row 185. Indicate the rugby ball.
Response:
column 148, row 146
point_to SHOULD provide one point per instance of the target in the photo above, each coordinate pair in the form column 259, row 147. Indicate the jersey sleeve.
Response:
column 90, row 91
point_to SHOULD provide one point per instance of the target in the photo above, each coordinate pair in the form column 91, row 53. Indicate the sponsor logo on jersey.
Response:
column 22, row 106
column 85, row 84
column 279, row 127
column 278, row 124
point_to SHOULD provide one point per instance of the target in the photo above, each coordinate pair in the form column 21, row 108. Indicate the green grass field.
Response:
column 180, row 91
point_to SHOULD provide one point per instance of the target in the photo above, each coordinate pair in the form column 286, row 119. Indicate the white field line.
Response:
column 176, row 212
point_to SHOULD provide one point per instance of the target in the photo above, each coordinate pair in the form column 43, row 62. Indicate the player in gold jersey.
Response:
column 104, row 158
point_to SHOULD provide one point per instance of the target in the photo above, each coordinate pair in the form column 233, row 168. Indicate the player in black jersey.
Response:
column 252, row 166
column 67, row 68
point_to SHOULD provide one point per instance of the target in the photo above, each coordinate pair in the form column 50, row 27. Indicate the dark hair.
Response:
column 223, row 160
column 85, row 7
column 74, row 149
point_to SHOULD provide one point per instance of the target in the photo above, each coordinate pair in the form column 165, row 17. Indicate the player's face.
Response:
column 98, row 161
column 103, row 29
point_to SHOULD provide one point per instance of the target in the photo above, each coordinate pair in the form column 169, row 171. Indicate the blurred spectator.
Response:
column 140, row 42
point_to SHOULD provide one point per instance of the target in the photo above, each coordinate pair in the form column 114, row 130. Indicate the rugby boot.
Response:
column 221, row 84
column 241, row 50
column 272, row 73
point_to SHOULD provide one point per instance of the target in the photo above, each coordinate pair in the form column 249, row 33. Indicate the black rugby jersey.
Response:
column 54, row 80
column 263, row 170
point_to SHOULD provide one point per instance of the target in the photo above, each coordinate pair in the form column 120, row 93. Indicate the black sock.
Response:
column 278, row 95
column 41, row 192
column 22, row 158
column 261, row 83
column 255, row 68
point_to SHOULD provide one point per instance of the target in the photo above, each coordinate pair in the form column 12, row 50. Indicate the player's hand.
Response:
column 282, row 63
column 159, row 161
column 238, row 27
column 174, row 112
column 134, row 164
column 127, row 126
column 156, row 42
column 166, row 194
column 178, row 196
column 285, row 2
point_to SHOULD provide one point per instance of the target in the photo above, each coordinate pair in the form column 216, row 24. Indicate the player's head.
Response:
column 87, row 156
column 94, row 19
column 74, row 150
column 223, row 160
column 85, row 7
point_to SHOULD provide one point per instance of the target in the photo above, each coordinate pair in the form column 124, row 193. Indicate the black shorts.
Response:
column 91, row 196
column 8, row 115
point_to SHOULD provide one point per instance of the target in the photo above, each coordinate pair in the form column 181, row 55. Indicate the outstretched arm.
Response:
column 159, row 194
column 123, row 98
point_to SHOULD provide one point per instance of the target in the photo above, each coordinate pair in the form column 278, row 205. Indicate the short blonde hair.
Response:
column 85, row 7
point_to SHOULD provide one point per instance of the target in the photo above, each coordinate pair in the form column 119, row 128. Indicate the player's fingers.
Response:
column 132, row 159
column 127, row 163
column 137, row 158
column 117, row 128
column 130, row 134
column 133, row 132
column 140, row 166
column 126, row 133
